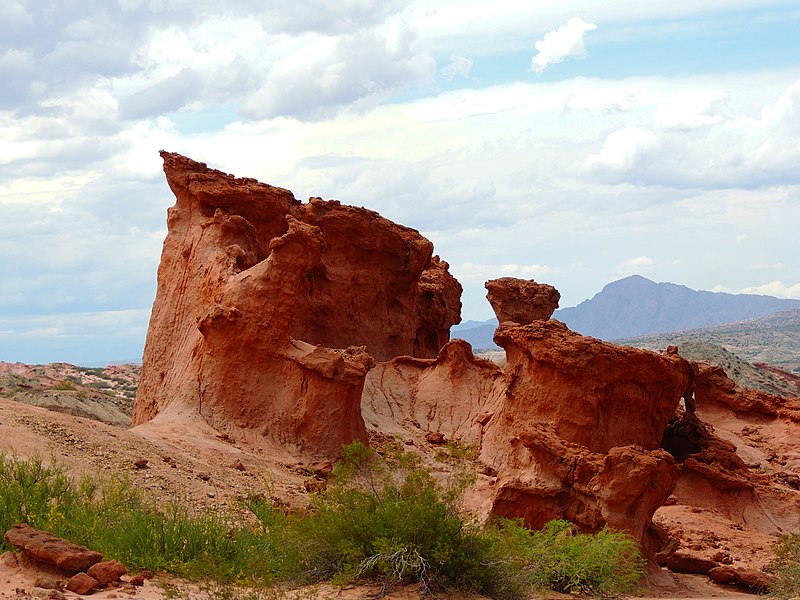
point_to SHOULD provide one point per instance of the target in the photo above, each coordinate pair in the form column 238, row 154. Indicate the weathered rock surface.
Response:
column 521, row 301
column 714, row 386
column 454, row 394
column 595, row 393
column 82, row 584
column 106, row 571
column 50, row 549
column 733, row 447
column 571, row 428
column 269, row 311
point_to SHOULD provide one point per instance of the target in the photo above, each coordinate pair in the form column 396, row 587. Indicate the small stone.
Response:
column 409, row 442
column 488, row 470
column 434, row 437
column 107, row 571
column 82, row 584
column 9, row 560
column 211, row 494
column 48, row 583
column 237, row 464
column 722, row 574
column 321, row 468
column 204, row 476
column 141, row 463
column 40, row 593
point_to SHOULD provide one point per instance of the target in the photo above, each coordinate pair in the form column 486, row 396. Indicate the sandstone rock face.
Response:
column 570, row 428
column 734, row 448
column 596, row 394
column 269, row 311
column 714, row 386
column 522, row 301
column 454, row 394
column 50, row 549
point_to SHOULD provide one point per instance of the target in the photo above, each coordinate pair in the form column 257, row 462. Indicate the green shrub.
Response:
column 387, row 519
column 787, row 567
column 383, row 518
column 65, row 385
column 110, row 516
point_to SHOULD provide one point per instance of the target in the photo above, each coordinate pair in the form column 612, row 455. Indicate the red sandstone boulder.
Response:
column 269, row 311
column 521, row 301
column 50, row 549
column 107, row 571
column 82, row 584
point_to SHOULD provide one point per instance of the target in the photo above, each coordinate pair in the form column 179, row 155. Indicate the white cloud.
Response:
column 560, row 44
column 469, row 272
column 622, row 150
column 458, row 66
column 634, row 266
column 775, row 288
column 687, row 145
column 688, row 110
column 352, row 70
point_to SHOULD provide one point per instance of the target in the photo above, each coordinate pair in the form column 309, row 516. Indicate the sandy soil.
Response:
column 189, row 463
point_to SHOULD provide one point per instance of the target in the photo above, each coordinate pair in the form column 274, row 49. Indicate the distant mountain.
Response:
column 772, row 339
column 635, row 306
column 478, row 333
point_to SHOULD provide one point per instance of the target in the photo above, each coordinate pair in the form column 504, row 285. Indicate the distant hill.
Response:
column 478, row 333
column 773, row 339
column 635, row 306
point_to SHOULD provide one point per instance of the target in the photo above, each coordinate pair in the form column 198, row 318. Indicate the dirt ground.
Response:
column 189, row 463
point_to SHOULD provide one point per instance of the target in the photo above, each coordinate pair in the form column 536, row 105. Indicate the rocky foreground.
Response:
column 282, row 330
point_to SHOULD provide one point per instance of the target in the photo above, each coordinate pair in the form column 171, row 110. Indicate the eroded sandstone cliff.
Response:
column 269, row 311
column 303, row 326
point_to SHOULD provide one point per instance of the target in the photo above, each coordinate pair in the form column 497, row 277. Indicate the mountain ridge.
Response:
column 635, row 306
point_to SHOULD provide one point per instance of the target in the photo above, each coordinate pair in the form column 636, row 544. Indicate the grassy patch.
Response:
column 787, row 567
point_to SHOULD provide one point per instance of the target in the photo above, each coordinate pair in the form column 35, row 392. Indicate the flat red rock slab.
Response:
column 50, row 549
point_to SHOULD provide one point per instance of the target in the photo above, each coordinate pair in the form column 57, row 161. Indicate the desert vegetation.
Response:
column 382, row 518
column 787, row 567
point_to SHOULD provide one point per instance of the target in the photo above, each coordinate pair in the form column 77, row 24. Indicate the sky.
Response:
column 573, row 142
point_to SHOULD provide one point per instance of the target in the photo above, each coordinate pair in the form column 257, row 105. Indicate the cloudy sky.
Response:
column 574, row 142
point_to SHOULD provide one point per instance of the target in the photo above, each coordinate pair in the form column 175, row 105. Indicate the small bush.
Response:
column 383, row 518
column 65, row 385
column 388, row 520
column 787, row 567
column 110, row 516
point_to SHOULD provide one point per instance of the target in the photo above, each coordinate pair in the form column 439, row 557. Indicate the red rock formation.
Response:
column 714, row 386
column 50, row 549
column 585, row 420
column 521, row 301
column 596, row 394
column 454, row 394
column 732, row 495
column 571, row 427
column 253, row 285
